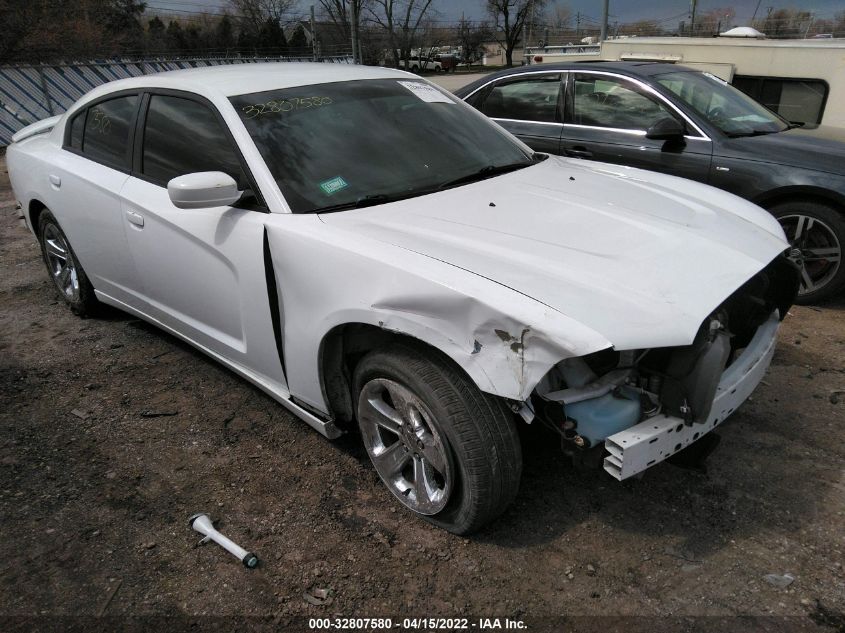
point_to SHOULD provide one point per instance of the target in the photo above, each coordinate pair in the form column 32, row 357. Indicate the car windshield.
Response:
column 357, row 143
column 733, row 112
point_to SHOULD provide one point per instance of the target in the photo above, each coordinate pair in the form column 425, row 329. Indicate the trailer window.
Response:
column 796, row 100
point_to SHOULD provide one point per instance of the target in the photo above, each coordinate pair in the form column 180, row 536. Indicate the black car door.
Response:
column 606, row 117
column 528, row 106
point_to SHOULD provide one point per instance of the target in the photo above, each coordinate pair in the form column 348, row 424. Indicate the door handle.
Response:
column 578, row 151
column 135, row 218
column 55, row 181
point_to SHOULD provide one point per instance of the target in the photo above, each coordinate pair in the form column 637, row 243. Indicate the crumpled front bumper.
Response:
column 650, row 442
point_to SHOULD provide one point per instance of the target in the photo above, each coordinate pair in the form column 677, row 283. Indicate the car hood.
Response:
column 820, row 148
column 640, row 258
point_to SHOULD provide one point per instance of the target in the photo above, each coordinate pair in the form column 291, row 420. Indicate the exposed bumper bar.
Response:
column 650, row 442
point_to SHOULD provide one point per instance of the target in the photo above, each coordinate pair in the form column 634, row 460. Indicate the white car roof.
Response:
column 236, row 79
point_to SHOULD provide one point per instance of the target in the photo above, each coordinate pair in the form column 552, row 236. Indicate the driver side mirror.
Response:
column 666, row 129
column 203, row 190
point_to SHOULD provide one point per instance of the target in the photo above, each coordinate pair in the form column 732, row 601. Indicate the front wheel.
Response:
column 444, row 449
column 816, row 233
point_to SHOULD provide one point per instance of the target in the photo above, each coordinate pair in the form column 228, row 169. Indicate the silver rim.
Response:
column 405, row 447
column 815, row 248
column 60, row 262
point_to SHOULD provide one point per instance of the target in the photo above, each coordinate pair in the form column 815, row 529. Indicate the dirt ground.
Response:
column 112, row 433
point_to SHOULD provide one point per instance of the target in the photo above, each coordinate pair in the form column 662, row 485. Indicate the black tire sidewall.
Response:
column 389, row 367
column 86, row 301
column 462, row 513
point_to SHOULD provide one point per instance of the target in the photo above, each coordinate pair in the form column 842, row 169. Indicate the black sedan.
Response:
column 673, row 119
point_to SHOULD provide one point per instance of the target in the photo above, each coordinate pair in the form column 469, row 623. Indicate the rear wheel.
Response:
column 444, row 449
column 65, row 271
column 816, row 233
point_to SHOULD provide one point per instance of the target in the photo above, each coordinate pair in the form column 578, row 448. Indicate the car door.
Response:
column 606, row 118
column 527, row 106
column 202, row 271
column 85, row 181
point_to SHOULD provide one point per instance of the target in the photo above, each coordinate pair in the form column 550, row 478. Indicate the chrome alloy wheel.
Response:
column 406, row 449
column 60, row 262
column 815, row 248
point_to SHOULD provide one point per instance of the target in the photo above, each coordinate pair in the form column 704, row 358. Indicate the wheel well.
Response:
column 340, row 352
column 35, row 209
column 813, row 195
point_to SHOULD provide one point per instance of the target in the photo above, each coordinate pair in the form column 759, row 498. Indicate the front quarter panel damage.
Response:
column 505, row 341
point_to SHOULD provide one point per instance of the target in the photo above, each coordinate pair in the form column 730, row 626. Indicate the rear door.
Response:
column 202, row 271
column 606, row 117
column 528, row 106
column 86, row 180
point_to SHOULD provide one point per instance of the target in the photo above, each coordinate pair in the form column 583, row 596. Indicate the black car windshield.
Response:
column 722, row 105
column 358, row 143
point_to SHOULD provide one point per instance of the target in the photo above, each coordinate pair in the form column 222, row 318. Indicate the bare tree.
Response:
column 471, row 38
column 254, row 13
column 561, row 16
column 401, row 19
column 346, row 16
column 510, row 18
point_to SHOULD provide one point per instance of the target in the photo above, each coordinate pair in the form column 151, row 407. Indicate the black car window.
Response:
column 77, row 125
column 182, row 136
column 721, row 105
column 605, row 101
column 107, row 130
column 533, row 98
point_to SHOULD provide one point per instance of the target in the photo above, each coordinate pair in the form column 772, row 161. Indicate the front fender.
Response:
column 505, row 341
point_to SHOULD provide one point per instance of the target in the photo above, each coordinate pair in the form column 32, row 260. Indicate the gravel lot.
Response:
column 112, row 433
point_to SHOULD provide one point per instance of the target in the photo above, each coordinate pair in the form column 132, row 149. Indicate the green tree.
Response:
column 224, row 33
column 298, row 41
column 271, row 36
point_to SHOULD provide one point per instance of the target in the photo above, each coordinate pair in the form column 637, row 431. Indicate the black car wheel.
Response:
column 447, row 451
column 816, row 233
column 65, row 270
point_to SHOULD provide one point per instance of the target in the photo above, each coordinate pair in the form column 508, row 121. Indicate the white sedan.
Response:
column 371, row 251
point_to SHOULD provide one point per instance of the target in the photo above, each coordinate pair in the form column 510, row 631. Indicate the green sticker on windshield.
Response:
column 333, row 185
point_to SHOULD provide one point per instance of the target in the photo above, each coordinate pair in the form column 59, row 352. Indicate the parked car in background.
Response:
column 667, row 118
column 433, row 284
column 418, row 64
column 448, row 63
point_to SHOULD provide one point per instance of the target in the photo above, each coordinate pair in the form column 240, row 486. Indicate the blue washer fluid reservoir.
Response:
column 601, row 417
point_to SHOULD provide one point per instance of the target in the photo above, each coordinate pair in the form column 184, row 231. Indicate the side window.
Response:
column 182, row 136
column 604, row 101
column 534, row 98
column 796, row 100
column 77, row 124
column 107, row 131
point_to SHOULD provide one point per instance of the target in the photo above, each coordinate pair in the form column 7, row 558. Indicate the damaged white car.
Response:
column 371, row 251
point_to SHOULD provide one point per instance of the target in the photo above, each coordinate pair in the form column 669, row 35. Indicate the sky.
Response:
column 669, row 11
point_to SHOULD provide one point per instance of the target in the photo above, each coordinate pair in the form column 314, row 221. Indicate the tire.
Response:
column 816, row 232
column 415, row 69
column 463, row 441
column 64, row 268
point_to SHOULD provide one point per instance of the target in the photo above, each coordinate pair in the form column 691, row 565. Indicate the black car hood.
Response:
column 819, row 148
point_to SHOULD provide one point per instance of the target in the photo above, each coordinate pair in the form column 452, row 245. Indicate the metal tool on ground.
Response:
column 201, row 522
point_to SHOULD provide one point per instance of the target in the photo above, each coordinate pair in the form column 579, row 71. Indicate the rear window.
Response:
column 76, row 126
column 107, row 131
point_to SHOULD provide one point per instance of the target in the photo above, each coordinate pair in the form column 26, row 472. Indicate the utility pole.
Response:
column 357, row 30
column 578, row 26
column 353, row 27
column 313, row 36
column 604, row 11
column 692, row 18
